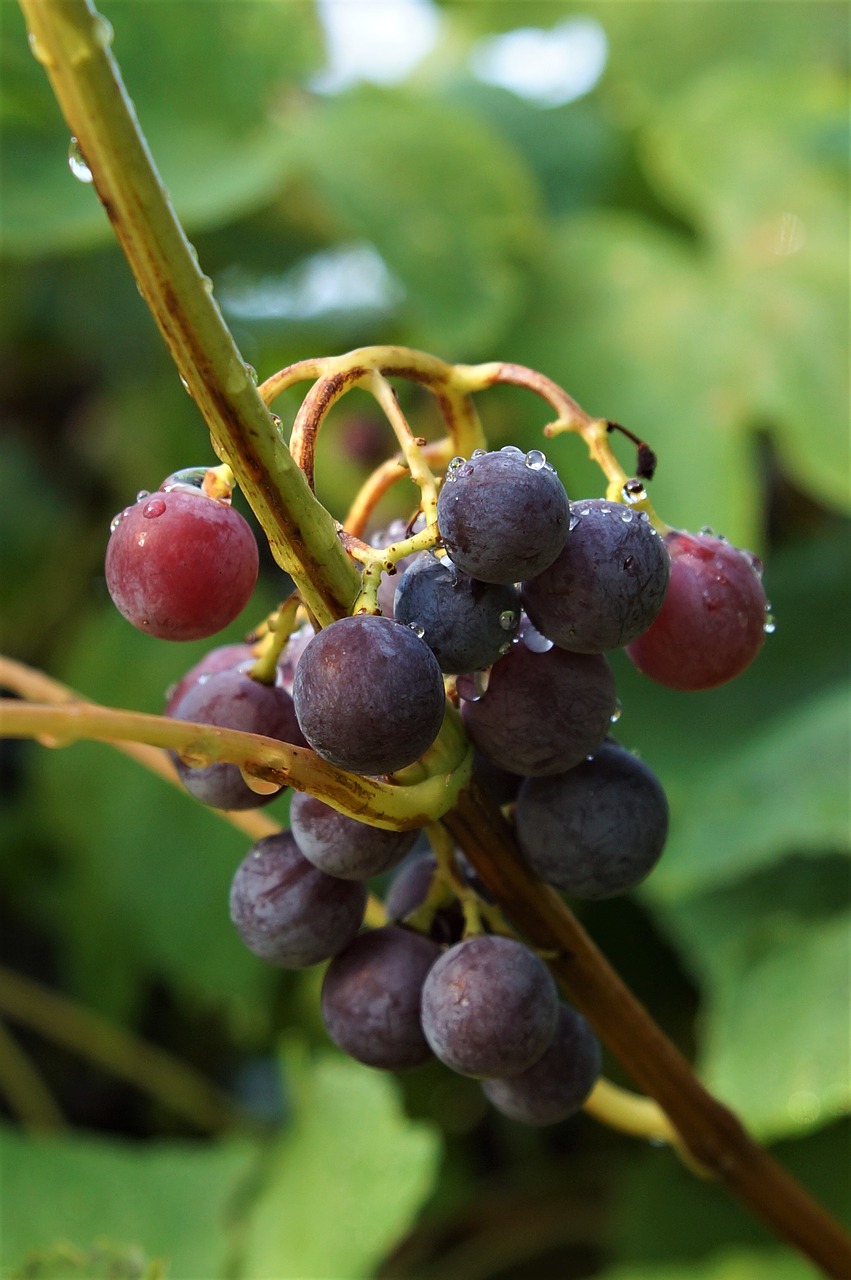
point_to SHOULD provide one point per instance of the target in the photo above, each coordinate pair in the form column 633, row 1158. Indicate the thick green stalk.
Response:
column 72, row 42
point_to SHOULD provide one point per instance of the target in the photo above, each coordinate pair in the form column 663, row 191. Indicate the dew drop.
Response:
column 508, row 619
column 606, row 511
column 584, row 511
column 252, row 373
column 534, row 641
column 417, row 629
column 535, row 460
column 478, row 453
column 278, row 424
column 626, row 517
column 184, row 384
column 154, row 508
column 706, row 531
column 769, row 626
column 143, row 493
column 574, row 521
column 187, row 478
column 260, row 786
column 617, row 712
column 102, row 31
column 504, row 648
column 77, row 163
column 39, row 52
column 633, row 491
column 116, row 521
column 207, row 284
column 511, row 448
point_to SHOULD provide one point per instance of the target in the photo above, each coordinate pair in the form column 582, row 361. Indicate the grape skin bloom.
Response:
column 608, row 583
column 597, row 830
column 489, row 1007
column 369, row 695
column 500, row 519
column 288, row 912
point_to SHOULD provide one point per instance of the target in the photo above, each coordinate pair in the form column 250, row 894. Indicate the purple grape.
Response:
column 371, row 998
column 608, row 583
column 342, row 846
column 467, row 624
column 503, row 516
column 369, row 695
column 179, row 565
column 287, row 911
column 555, row 1087
column 230, row 699
column 408, row 890
column 597, row 830
column 542, row 712
column 489, row 1007
column 222, row 658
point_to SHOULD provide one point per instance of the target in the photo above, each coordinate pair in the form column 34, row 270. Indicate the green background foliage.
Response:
column 672, row 248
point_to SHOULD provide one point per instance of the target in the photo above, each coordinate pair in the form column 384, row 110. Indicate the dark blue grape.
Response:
column 503, row 516
column 342, row 846
column 287, row 911
column 489, row 1007
column 371, row 998
column 466, row 623
column 408, row 890
column 555, row 1087
column 608, row 583
column 542, row 712
column 369, row 695
column 597, row 830
column 230, row 699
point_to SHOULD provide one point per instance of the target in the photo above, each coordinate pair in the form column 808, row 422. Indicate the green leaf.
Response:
column 377, row 159
column 775, row 1033
column 732, row 1264
column 345, row 1180
column 167, row 1201
column 780, row 790
column 220, row 153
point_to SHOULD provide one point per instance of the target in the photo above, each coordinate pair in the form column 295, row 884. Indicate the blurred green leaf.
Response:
column 743, row 816
column 344, row 1181
column 377, row 158
column 228, row 154
column 732, row 1264
column 170, row 1201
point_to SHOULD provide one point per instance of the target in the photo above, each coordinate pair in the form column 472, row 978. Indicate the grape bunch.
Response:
column 508, row 615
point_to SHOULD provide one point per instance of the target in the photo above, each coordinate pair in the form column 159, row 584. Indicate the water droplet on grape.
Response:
column 508, row 619
column 584, row 511
column 143, row 493
column 511, row 448
column 617, row 712
column 707, row 531
column 77, row 163
column 535, row 460
column 478, row 453
column 536, row 642
column 187, row 478
column 626, row 517
column 504, row 648
column 417, row 629
column 574, row 520
column 154, row 508
column 116, row 520
column 769, row 626
column 607, row 511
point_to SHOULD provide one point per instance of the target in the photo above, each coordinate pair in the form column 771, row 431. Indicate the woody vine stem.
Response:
column 72, row 42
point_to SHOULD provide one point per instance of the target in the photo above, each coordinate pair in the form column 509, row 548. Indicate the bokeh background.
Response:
column 647, row 202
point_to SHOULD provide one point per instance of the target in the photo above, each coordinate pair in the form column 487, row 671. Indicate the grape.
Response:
column 542, row 712
column 369, row 695
column 489, row 1007
column 408, row 890
column 179, row 565
column 608, row 583
column 232, row 700
column 712, row 623
column 555, row 1087
column 467, row 624
column 597, row 830
column 342, row 846
column 503, row 516
column 287, row 911
column 220, row 659
column 371, row 998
